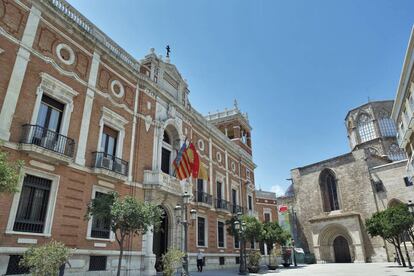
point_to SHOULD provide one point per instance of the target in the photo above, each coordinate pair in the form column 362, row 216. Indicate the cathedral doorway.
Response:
column 160, row 241
column 341, row 250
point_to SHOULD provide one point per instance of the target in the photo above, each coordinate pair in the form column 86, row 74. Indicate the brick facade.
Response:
column 45, row 53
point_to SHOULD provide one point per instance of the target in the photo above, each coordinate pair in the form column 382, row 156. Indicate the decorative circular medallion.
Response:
column 218, row 156
column 65, row 54
column 117, row 88
column 200, row 144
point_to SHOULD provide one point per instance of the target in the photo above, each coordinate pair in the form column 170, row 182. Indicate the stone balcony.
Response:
column 158, row 180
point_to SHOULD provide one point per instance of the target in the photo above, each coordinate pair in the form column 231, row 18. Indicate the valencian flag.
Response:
column 187, row 163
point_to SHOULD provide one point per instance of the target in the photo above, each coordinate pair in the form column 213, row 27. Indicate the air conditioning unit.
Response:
column 107, row 163
column 120, row 168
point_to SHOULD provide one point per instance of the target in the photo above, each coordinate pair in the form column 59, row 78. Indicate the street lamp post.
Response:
column 240, row 227
column 179, row 210
column 294, row 253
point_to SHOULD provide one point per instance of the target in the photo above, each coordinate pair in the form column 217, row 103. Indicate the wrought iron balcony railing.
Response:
column 109, row 162
column 237, row 208
column 203, row 198
column 222, row 204
column 48, row 139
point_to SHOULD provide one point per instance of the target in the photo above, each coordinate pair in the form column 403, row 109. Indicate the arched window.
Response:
column 166, row 154
column 329, row 191
column 366, row 128
column 395, row 153
column 386, row 124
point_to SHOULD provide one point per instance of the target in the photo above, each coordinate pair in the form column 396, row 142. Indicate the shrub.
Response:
column 254, row 258
column 46, row 259
column 171, row 260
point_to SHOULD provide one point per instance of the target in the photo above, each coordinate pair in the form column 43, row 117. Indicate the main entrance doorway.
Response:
column 160, row 241
column 341, row 250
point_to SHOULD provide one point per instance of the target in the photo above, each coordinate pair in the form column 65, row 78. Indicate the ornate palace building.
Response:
column 87, row 118
column 334, row 197
column 403, row 110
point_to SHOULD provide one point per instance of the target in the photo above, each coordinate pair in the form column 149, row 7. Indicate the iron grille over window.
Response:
column 13, row 266
column 201, row 224
column 32, row 210
column 221, row 260
column 267, row 217
column 220, row 230
column 366, row 128
column 97, row 263
column 100, row 226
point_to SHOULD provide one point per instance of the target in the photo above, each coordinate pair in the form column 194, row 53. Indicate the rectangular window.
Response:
column 33, row 205
column 221, row 260
column 408, row 182
column 237, row 260
column 97, row 263
column 219, row 186
column 236, row 241
column 165, row 161
column 108, row 142
column 267, row 217
column 220, row 234
column 13, row 267
column 50, row 114
column 250, row 202
column 200, row 190
column 100, row 227
column 201, row 226
column 252, row 244
column 234, row 196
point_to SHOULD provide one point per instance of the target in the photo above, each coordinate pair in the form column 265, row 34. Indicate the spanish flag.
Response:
column 187, row 164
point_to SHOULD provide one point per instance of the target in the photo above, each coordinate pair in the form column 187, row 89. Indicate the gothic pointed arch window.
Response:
column 395, row 153
column 366, row 129
column 386, row 124
column 329, row 190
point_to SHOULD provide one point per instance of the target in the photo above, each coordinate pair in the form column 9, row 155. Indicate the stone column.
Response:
column 149, row 256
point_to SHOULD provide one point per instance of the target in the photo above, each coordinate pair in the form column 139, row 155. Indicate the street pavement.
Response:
column 355, row 269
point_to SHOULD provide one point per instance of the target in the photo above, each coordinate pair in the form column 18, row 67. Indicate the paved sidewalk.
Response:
column 356, row 269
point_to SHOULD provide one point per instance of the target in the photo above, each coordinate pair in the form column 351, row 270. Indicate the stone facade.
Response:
column 335, row 196
column 55, row 61
column 403, row 109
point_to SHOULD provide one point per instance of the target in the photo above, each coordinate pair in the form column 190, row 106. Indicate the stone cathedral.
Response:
column 333, row 197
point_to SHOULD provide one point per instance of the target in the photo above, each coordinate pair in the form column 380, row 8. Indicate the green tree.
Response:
column 9, row 174
column 252, row 228
column 46, row 259
column 128, row 217
column 272, row 233
column 391, row 224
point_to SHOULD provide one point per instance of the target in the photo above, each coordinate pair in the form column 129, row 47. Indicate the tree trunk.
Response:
column 401, row 255
column 121, row 253
column 408, row 255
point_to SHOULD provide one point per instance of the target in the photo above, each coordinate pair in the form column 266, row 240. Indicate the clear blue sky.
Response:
column 296, row 67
